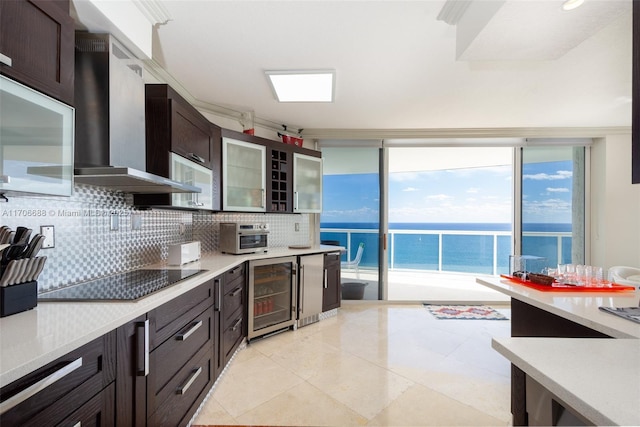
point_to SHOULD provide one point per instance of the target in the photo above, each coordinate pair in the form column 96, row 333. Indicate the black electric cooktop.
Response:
column 129, row 286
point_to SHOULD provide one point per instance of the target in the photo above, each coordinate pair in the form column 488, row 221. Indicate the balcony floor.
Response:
column 427, row 286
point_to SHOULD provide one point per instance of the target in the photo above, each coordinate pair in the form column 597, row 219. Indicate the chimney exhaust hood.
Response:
column 110, row 120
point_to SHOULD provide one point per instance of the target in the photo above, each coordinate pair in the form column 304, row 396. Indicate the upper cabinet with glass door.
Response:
column 36, row 141
column 243, row 176
column 307, row 183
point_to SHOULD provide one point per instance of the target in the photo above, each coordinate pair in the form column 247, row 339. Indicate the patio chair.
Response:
column 356, row 261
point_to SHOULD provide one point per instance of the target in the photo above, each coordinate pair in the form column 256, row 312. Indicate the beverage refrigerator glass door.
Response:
column 272, row 295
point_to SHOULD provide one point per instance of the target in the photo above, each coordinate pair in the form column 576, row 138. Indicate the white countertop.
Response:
column 598, row 378
column 579, row 307
column 31, row 339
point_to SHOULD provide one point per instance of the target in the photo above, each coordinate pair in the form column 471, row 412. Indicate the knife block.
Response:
column 17, row 298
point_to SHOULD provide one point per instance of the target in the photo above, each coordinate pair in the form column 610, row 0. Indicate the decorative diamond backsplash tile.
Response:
column 86, row 247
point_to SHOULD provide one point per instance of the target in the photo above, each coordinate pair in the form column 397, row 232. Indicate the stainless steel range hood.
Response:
column 110, row 147
column 130, row 180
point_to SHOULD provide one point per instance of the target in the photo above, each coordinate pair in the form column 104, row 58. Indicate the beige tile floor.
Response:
column 374, row 364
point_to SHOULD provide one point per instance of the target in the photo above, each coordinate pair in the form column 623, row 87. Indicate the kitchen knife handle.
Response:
column 142, row 353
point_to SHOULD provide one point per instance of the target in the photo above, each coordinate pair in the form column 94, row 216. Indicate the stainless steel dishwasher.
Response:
column 311, row 282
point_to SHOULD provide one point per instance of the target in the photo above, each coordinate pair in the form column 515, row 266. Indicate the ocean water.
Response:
column 466, row 253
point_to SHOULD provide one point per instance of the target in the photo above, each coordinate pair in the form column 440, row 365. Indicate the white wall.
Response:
column 615, row 204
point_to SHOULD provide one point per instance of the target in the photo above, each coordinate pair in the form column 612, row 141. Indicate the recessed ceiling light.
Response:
column 302, row 86
column 572, row 4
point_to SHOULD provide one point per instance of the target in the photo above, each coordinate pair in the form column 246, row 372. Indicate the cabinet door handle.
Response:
column 295, row 200
column 217, row 289
column 264, row 199
column 235, row 325
column 78, row 424
column 185, row 387
column 326, row 280
column 301, row 289
column 192, row 329
column 40, row 385
column 142, row 350
column 197, row 158
column 5, row 60
column 236, row 291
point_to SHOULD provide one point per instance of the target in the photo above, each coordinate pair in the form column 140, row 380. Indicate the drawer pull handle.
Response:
column 4, row 59
column 78, row 424
column 40, row 385
column 235, row 325
column 142, row 350
column 326, row 281
column 236, row 291
column 184, row 388
column 192, row 329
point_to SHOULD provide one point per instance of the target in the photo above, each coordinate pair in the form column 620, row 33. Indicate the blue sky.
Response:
column 456, row 195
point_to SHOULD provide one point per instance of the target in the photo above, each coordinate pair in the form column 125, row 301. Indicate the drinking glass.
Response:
column 571, row 273
column 580, row 277
column 562, row 272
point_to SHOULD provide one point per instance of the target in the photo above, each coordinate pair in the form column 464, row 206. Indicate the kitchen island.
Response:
column 557, row 369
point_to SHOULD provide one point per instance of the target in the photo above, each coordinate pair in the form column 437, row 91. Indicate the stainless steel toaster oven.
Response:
column 242, row 238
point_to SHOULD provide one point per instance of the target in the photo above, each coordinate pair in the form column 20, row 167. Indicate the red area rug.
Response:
column 465, row 312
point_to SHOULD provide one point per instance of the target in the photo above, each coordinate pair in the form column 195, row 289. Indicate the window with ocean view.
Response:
column 451, row 209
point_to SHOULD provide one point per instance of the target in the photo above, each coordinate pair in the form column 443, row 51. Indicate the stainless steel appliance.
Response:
column 311, row 276
column 272, row 295
column 237, row 238
column 131, row 285
column 110, row 119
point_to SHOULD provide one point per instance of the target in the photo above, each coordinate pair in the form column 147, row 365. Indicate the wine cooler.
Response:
column 272, row 295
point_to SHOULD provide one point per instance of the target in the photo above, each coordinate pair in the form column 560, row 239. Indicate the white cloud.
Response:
column 549, row 177
column 473, row 190
column 410, row 189
column 440, row 197
column 557, row 190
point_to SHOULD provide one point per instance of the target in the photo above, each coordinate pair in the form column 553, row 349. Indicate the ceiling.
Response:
column 503, row 64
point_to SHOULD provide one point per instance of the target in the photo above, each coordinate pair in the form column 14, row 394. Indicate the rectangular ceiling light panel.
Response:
column 302, row 86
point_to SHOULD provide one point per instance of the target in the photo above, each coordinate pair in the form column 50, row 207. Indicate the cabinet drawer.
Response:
column 81, row 374
column 185, row 390
column 99, row 411
column 172, row 355
column 231, row 302
column 331, row 259
column 173, row 316
column 234, row 278
column 232, row 336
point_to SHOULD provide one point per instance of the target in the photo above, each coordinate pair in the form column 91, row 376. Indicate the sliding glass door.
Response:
column 554, row 189
column 351, row 216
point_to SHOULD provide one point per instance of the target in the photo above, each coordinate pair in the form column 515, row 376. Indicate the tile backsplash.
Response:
column 87, row 246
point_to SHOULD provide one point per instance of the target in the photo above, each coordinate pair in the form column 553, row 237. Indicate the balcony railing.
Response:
column 468, row 251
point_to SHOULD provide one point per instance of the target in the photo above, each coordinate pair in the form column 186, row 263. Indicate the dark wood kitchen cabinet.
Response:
column 233, row 325
column 165, row 361
column 80, row 389
column 331, row 294
column 37, row 45
column 173, row 127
